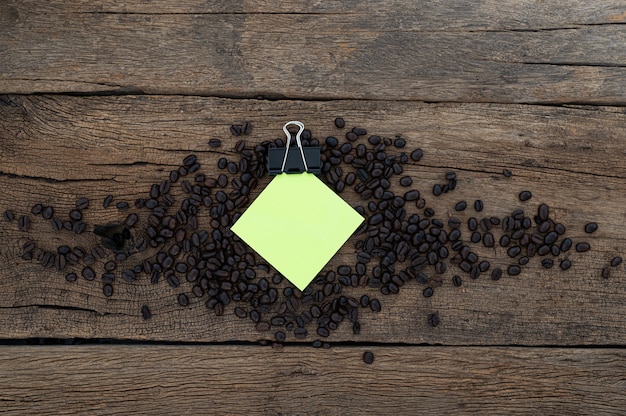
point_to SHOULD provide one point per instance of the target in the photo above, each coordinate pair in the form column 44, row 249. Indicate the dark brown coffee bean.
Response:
column 460, row 206
column 514, row 251
column 551, row 237
column 375, row 305
column 525, row 195
column 122, row 205
column 483, row 266
column 559, row 228
column 36, row 209
column 582, row 247
column 24, row 223
column 107, row 289
column 368, row 357
column 591, row 227
column 145, row 312
column 8, row 215
column 616, row 261
column 88, row 273
column 606, row 273
column 456, row 280
column 488, row 240
column 507, row 173
column 107, row 201
column 547, row 263
column 76, row 215
column 496, row 273
column 215, row 143
column 478, row 205
column 428, row 292
column 82, row 203
column 565, row 264
column 514, row 270
column 183, row 300
column 47, row 212
column 566, row 244
column 340, row 123
column 416, row 155
column 543, row 212
column 475, row 237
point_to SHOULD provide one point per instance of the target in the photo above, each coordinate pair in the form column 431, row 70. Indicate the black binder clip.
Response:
column 281, row 161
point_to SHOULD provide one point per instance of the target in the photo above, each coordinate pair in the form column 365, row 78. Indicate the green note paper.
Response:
column 297, row 224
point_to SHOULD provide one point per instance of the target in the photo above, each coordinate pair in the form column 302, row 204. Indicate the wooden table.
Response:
column 107, row 97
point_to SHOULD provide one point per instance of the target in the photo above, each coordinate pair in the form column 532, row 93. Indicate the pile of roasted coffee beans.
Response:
column 184, row 222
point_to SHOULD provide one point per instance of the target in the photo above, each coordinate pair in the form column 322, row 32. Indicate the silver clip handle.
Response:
column 298, row 142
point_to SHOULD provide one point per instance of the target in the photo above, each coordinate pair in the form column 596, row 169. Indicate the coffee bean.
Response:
column 582, row 247
column 8, row 215
column 340, row 123
column 565, row 264
column 514, row 270
column 82, row 203
column 616, row 261
column 507, row 173
column 107, row 289
column 543, row 212
column 145, row 312
column 23, row 223
column 47, row 212
column 547, row 263
column 559, row 228
column 428, row 292
column 183, row 300
column 416, row 155
column 122, row 205
column 478, row 205
column 496, row 273
column 215, row 143
column 591, row 227
column 525, row 195
column 514, row 251
column 71, row 277
column 412, row 195
column 368, row 357
column 107, row 201
column 460, row 206
column 88, row 273
column 566, row 244
column 375, row 305
column 36, row 209
column 606, row 273
column 551, row 237
column 488, row 240
column 523, row 261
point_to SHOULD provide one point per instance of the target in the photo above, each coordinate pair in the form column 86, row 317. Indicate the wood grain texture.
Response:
column 54, row 149
column 181, row 380
column 485, row 51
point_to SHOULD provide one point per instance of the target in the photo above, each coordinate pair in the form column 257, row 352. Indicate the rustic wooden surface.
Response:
column 181, row 380
column 106, row 97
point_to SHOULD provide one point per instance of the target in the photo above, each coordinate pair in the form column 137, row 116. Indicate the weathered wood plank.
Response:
column 473, row 52
column 54, row 149
column 184, row 380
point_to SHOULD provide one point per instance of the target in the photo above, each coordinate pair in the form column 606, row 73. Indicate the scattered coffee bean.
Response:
column 565, row 264
column 368, row 357
column 8, row 215
column 145, row 312
column 215, row 143
column 591, row 227
column 582, row 247
column 525, row 195
column 616, row 261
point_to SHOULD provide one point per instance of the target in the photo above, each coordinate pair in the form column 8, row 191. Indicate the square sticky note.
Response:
column 297, row 224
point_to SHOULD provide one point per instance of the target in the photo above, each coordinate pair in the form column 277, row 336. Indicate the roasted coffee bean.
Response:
column 23, row 223
column 514, row 270
column 416, row 155
column 551, row 237
column 478, row 205
column 456, row 280
column 368, row 357
column 375, row 305
column 36, row 209
column 483, row 266
column 107, row 289
column 340, row 123
column 109, row 266
column 523, row 261
column 507, row 173
column 145, row 312
column 559, row 228
column 514, row 251
column 428, row 292
column 566, row 244
column 616, row 261
column 496, row 273
column 88, row 273
column 488, row 240
column 107, row 201
column 8, row 215
column 547, row 263
column 215, row 143
column 460, row 206
column 582, row 247
column 183, row 300
column 122, row 205
column 591, row 227
column 543, row 212
column 525, row 195
column 406, row 181
column 47, row 212
column 411, row 195
column 565, row 264
column 71, row 277
column 606, row 272
column 131, row 220
column 76, row 215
